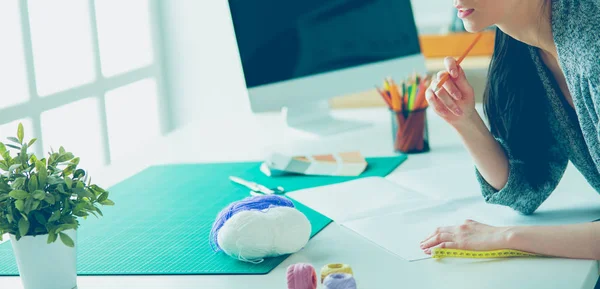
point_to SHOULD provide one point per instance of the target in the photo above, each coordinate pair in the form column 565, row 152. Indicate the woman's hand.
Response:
column 469, row 236
column 455, row 100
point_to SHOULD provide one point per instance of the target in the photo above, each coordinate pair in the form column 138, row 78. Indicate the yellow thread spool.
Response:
column 438, row 253
column 335, row 268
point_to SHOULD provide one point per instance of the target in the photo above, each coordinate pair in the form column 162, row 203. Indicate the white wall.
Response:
column 202, row 62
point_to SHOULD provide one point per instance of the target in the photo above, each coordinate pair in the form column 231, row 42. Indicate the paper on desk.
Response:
column 360, row 198
column 452, row 182
column 398, row 219
column 401, row 233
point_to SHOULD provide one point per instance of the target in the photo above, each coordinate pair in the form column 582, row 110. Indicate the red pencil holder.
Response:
column 409, row 131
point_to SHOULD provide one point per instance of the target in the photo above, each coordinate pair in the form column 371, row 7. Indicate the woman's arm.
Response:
column 455, row 103
column 506, row 177
column 579, row 241
column 488, row 155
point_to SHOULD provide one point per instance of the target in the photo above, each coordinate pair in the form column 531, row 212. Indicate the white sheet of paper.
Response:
column 398, row 219
column 458, row 182
column 402, row 233
column 360, row 198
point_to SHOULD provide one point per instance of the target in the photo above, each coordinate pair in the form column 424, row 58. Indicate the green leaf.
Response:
column 62, row 190
column 18, row 194
column 20, row 133
column 15, row 140
column 98, row 210
column 42, row 174
column 54, row 217
column 103, row 197
column 20, row 205
column 28, row 205
column 49, row 198
column 23, row 155
column 14, row 167
column 61, row 150
column 80, row 214
column 3, row 197
column 32, row 158
column 81, row 192
column 67, row 208
column 65, row 227
column 97, row 190
column 51, row 236
column 23, row 227
column 68, row 170
column 28, row 170
column 6, row 156
column 13, row 146
column 75, row 161
column 66, row 240
column 38, row 195
column 18, row 183
column 3, row 165
column 35, row 205
column 31, row 142
column 78, row 174
column 79, row 185
column 10, row 218
column 5, row 188
column 40, row 218
column 107, row 202
column 69, row 182
column 54, row 180
column 65, row 157
column 2, row 148
column 33, row 183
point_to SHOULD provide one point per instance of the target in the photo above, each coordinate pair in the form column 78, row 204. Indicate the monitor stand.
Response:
column 315, row 118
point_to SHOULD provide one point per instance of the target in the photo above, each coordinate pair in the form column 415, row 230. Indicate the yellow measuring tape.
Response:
column 438, row 253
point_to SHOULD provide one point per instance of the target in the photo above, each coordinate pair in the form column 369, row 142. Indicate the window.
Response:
column 77, row 73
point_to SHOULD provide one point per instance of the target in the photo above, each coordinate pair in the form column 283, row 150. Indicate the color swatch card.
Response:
column 338, row 164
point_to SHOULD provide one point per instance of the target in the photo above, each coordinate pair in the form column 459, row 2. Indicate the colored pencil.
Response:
column 396, row 101
column 462, row 57
column 385, row 97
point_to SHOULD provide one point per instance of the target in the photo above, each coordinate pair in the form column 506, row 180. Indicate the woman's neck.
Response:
column 531, row 23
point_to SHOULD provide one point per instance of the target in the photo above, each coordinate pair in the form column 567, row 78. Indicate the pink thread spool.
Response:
column 301, row 276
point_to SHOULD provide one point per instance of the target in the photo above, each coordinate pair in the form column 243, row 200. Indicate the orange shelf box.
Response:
column 454, row 44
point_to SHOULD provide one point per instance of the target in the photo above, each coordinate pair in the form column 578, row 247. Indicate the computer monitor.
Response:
column 297, row 54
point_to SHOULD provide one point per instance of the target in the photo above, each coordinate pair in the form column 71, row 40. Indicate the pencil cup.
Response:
column 409, row 131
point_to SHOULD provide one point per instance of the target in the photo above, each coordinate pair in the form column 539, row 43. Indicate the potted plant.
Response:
column 41, row 201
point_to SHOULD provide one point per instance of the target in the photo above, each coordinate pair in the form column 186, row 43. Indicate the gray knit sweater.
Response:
column 576, row 31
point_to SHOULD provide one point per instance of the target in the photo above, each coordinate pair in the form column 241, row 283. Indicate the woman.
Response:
column 543, row 104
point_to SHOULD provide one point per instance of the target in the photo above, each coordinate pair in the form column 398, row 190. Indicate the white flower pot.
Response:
column 46, row 266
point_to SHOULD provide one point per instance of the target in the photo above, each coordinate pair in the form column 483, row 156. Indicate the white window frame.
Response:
column 36, row 105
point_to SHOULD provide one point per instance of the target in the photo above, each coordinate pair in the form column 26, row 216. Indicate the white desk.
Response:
column 253, row 137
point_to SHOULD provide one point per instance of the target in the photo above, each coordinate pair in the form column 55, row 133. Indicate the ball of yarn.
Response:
column 301, row 276
column 340, row 281
column 260, row 227
column 335, row 268
column 251, row 203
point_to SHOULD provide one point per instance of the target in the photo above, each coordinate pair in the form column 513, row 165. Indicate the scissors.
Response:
column 257, row 188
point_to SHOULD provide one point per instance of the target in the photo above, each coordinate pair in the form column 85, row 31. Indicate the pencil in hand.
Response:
column 446, row 75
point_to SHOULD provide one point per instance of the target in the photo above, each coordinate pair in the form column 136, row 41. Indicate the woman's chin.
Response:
column 473, row 27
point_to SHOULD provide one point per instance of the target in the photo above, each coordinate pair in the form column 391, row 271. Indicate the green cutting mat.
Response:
column 163, row 215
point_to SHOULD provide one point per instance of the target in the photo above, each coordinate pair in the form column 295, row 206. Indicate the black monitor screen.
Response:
column 281, row 40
